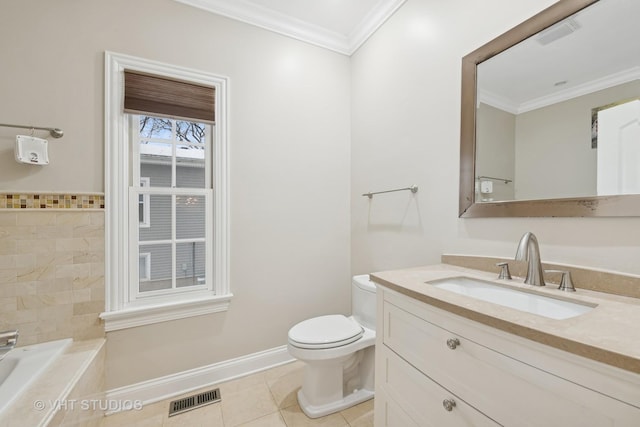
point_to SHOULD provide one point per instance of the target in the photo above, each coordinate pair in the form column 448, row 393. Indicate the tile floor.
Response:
column 265, row 399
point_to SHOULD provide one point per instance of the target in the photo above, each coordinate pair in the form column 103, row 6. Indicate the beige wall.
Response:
column 289, row 143
column 570, row 164
column 406, row 120
column 546, row 151
column 495, row 150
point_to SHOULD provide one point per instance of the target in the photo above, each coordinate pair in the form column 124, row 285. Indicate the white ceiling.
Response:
column 598, row 55
column 338, row 25
column 602, row 53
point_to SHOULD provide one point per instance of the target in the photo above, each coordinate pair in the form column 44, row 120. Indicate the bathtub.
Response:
column 23, row 365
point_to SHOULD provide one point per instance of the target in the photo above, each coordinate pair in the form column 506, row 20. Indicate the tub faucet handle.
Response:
column 9, row 338
column 504, row 270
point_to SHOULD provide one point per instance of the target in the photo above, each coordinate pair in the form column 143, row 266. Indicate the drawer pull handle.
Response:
column 449, row 404
column 452, row 343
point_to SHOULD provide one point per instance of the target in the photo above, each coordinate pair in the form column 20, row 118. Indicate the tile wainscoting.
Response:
column 52, row 268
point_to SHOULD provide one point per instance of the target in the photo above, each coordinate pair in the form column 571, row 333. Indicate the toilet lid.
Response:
column 329, row 331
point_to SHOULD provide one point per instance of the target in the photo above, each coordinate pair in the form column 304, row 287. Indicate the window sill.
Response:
column 150, row 314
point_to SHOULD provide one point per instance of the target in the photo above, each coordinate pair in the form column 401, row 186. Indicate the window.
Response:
column 166, row 195
column 174, row 155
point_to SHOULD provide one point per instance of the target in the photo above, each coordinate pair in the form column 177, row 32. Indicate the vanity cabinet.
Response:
column 434, row 368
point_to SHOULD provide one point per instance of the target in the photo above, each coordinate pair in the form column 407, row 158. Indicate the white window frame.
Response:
column 120, row 311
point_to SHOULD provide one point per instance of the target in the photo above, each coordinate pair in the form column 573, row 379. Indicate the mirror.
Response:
column 550, row 121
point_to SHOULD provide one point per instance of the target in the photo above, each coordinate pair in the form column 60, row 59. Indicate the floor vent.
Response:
column 192, row 402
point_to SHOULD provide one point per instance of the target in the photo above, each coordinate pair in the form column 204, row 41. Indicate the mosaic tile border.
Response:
column 51, row 201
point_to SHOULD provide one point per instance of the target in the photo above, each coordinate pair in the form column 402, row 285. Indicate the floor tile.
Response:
column 360, row 415
column 271, row 420
column 147, row 421
column 126, row 418
column 279, row 371
column 285, row 388
column 206, row 416
column 294, row 417
column 265, row 399
column 247, row 405
column 243, row 383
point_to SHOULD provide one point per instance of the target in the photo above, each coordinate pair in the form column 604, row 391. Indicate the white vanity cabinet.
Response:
column 434, row 368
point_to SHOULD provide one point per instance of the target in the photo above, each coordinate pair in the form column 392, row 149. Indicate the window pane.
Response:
column 159, row 265
column 190, row 172
column 160, row 220
column 144, row 266
column 155, row 127
column 190, row 259
column 155, row 163
column 193, row 133
column 190, row 217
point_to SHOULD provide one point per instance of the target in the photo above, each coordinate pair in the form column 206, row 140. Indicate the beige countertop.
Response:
column 609, row 333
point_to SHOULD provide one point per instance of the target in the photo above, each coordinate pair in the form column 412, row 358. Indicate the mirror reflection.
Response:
column 558, row 115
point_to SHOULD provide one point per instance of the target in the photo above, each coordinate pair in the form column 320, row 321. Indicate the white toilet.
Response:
column 339, row 353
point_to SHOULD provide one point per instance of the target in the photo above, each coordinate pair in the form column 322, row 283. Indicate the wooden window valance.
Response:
column 157, row 95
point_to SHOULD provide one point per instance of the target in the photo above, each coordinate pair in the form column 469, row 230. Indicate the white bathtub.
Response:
column 22, row 365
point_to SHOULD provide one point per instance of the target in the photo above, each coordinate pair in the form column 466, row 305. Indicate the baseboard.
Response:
column 169, row 386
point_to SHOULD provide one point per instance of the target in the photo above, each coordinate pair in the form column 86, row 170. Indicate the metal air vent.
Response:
column 558, row 31
column 192, row 402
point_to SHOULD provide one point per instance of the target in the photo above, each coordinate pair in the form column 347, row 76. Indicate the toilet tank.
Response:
column 363, row 301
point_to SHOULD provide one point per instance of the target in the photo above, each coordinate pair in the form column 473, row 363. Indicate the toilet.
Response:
column 339, row 354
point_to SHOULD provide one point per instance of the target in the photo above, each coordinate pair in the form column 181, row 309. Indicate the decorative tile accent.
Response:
column 51, row 201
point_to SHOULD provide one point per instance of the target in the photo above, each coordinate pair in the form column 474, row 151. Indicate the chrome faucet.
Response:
column 528, row 250
column 8, row 340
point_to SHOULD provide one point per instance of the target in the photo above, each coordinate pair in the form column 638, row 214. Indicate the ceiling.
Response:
column 596, row 56
column 339, row 25
column 601, row 50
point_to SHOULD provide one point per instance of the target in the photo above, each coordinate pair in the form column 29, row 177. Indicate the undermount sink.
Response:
column 522, row 300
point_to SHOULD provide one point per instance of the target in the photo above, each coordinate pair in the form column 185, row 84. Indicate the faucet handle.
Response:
column 504, row 270
column 566, row 284
column 9, row 338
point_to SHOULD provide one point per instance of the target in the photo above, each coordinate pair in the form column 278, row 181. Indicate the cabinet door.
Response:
column 509, row 391
column 389, row 414
column 422, row 399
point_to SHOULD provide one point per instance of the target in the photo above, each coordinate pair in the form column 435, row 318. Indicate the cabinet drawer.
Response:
column 512, row 392
column 422, row 399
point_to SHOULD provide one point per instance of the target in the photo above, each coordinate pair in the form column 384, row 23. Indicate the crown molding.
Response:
column 371, row 22
column 612, row 80
column 286, row 25
column 583, row 89
column 496, row 101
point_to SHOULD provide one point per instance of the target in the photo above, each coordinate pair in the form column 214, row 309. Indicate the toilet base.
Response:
column 317, row 411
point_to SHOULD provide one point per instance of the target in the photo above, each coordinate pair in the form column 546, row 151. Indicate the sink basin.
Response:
column 514, row 298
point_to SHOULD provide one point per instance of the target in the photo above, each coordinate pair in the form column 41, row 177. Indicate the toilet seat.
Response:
column 323, row 332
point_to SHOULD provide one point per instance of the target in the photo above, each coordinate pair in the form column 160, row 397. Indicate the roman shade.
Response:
column 162, row 96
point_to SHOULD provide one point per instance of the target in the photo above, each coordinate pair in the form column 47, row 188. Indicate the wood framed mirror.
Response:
column 536, row 71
